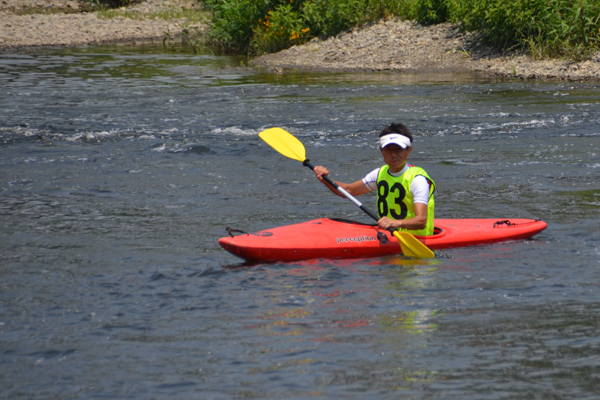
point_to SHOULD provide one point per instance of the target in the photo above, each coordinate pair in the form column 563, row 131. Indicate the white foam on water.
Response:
column 533, row 122
column 22, row 131
column 160, row 148
column 177, row 149
column 235, row 131
column 147, row 137
column 501, row 114
column 93, row 135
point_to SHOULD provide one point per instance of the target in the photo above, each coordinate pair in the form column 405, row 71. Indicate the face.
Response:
column 395, row 156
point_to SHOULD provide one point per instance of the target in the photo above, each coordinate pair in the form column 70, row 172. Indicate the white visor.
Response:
column 394, row 138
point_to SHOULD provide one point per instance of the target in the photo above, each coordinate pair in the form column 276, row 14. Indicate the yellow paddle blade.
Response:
column 412, row 247
column 284, row 143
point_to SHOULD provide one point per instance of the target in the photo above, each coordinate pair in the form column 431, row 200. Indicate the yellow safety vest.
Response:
column 395, row 200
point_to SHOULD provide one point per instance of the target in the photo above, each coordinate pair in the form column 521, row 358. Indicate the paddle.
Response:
column 288, row 145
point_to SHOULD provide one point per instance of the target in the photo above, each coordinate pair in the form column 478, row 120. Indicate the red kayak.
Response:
column 330, row 238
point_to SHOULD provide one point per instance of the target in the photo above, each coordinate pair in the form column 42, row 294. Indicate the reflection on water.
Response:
column 123, row 166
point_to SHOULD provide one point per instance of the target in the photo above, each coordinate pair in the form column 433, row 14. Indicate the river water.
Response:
column 120, row 168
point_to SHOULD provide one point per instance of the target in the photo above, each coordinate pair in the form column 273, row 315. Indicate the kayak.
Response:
column 337, row 238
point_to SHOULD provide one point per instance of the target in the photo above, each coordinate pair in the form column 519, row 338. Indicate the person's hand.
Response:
column 320, row 172
column 387, row 223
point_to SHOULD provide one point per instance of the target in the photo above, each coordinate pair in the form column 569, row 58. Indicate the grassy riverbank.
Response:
column 543, row 28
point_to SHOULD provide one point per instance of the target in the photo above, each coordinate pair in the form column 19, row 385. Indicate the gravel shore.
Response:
column 67, row 27
column 402, row 46
column 389, row 45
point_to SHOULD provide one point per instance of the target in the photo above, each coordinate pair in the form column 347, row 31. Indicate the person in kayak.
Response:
column 404, row 192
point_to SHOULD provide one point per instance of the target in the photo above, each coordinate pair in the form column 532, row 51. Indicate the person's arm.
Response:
column 355, row 189
column 419, row 221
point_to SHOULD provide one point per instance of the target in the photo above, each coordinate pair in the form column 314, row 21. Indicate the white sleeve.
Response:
column 370, row 180
column 419, row 188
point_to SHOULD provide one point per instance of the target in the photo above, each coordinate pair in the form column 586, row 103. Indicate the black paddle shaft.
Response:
column 327, row 179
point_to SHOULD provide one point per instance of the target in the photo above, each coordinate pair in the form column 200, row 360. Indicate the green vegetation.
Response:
column 259, row 26
column 545, row 28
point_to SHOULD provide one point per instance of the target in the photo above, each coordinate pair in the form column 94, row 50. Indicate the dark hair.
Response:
column 397, row 128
